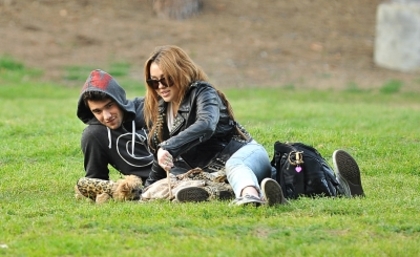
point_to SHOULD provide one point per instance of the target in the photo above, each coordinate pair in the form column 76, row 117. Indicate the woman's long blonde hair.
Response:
column 178, row 68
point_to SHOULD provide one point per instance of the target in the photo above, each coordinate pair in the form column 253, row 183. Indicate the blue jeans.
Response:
column 248, row 166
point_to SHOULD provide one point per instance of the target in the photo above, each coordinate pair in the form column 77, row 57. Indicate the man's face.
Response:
column 107, row 112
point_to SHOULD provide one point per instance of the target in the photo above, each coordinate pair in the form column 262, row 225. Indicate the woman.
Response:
column 190, row 120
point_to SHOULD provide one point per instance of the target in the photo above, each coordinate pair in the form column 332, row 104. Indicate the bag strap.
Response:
column 283, row 147
column 307, row 147
column 279, row 149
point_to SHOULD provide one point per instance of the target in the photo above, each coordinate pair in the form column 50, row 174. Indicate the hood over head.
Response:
column 100, row 80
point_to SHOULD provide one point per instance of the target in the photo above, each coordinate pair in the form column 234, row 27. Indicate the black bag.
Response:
column 302, row 171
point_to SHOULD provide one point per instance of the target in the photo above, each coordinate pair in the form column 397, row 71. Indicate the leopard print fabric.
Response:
column 199, row 174
column 214, row 183
column 91, row 187
column 219, row 191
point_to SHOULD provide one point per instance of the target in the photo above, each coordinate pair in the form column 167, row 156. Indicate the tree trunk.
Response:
column 176, row 9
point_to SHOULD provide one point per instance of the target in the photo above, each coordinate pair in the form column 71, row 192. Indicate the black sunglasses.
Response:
column 155, row 83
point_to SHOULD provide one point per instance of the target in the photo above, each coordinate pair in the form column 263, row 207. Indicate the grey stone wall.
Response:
column 397, row 41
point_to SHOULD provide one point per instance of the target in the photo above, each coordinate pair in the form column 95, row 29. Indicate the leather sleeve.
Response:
column 155, row 174
column 205, row 107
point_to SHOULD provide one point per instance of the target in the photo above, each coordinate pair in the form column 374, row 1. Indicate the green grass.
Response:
column 80, row 73
column 40, row 161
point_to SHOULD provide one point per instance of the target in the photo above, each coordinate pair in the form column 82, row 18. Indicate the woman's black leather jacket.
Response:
column 203, row 134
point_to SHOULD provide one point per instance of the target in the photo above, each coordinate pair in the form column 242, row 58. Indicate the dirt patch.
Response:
column 305, row 43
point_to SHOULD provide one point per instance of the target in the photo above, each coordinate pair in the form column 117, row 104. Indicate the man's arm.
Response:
column 93, row 143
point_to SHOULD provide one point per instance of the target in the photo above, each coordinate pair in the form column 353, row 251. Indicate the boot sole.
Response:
column 272, row 192
column 192, row 194
column 349, row 172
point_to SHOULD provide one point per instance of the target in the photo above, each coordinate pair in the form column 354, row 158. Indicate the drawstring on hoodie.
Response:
column 133, row 142
column 109, row 138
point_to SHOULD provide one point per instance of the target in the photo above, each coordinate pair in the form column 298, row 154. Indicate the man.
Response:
column 115, row 134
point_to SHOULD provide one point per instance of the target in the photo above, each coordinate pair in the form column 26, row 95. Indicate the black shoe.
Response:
column 348, row 173
column 272, row 192
column 192, row 194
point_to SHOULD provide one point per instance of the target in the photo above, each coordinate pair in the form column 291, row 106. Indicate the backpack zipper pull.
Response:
column 298, row 161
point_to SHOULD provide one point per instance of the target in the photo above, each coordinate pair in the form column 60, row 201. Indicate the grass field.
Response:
column 40, row 161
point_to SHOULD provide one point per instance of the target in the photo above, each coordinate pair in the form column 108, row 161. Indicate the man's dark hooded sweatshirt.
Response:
column 101, row 145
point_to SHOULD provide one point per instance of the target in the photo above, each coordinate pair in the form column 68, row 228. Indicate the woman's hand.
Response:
column 165, row 159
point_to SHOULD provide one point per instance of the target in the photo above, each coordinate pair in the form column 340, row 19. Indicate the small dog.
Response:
column 100, row 190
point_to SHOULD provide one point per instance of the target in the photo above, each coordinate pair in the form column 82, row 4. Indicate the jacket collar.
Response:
column 162, row 105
